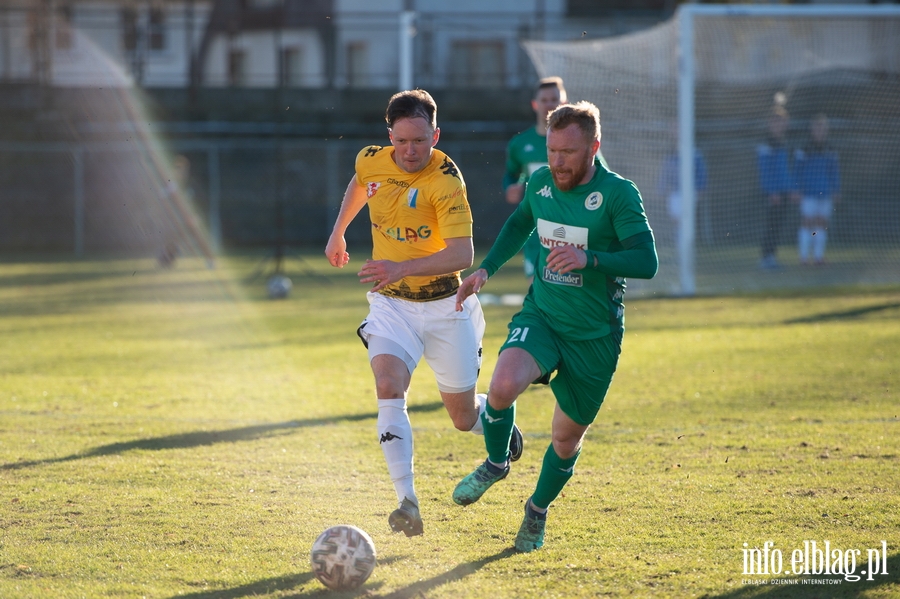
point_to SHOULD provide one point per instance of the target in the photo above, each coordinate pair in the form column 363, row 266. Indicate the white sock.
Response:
column 395, row 438
column 819, row 244
column 804, row 240
column 540, row 510
column 478, row 429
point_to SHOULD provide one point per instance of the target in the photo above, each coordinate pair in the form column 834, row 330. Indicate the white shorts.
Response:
column 811, row 207
column 450, row 341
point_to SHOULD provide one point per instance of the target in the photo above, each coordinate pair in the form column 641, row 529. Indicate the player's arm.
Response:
column 513, row 188
column 635, row 253
column 512, row 237
column 458, row 255
column 354, row 199
column 637, row 259
column 515, row 232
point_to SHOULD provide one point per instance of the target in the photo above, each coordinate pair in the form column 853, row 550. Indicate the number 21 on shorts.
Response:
column 518, row 335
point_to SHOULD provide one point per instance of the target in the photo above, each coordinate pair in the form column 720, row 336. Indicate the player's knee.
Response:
column 388, row 387
column 565, row 447
column 503, row 393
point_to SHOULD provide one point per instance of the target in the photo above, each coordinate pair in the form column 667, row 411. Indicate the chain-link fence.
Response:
column 118, row 196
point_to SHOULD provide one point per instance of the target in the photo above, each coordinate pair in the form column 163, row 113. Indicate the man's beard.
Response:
column 577, row 175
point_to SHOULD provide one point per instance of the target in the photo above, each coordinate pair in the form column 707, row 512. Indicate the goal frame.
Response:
column 686, row 14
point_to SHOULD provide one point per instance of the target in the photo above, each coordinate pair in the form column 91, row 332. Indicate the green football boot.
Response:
column 471, row 488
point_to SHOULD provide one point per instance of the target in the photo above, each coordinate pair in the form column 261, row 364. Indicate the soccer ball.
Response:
column 279, row 286
column 343, row 557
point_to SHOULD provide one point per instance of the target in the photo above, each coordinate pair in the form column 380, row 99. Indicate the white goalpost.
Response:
column 684, row 107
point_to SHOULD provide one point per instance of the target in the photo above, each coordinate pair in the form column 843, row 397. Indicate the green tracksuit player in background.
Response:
column 593, row 233
column 527, row 151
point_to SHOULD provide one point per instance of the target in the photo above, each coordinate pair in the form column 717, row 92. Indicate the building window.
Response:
column 476, row 63
column 129, row 28
column 357, row 64
column 291, row 70
column 63, row 27
column 156, row 28
column 260, row 3
column 237, row 67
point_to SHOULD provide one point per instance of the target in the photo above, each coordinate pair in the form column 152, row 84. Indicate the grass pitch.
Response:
column 174, row 433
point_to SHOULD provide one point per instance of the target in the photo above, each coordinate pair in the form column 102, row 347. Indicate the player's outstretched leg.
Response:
column 531, row 532
column 471, row 488
column 406, row 519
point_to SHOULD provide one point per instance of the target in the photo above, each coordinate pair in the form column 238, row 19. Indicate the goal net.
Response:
column 686, row 110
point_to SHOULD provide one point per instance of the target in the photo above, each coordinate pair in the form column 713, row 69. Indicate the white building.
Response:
column 295, row 43
column 100, row 42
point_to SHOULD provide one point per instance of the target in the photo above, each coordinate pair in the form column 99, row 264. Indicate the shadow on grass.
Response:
column 273, row 585
column 420, row 588
column 205, row 438
column 844, row 315
column 844, row 589
column 254, row 589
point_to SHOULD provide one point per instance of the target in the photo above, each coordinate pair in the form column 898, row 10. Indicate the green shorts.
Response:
column 584, row 369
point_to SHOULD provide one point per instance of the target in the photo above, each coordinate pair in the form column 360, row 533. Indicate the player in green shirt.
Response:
column 593, row 233
column 527, row 152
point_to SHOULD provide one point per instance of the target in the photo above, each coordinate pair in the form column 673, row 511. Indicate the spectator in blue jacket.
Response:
column 776, row 183
column 818, row 181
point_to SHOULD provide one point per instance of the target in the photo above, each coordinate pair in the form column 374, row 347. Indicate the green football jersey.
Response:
column 596, row 216
column 525, row 153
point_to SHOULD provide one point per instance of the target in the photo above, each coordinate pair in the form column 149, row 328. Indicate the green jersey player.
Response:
column 593, row 233
column 527, row 152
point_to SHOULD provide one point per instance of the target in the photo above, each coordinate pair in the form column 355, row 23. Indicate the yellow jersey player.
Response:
column 421, row 240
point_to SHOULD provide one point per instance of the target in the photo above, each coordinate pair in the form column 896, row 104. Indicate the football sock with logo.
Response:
column 395, row 438
column 555, row 473
column 498, row 426
column 481, row 402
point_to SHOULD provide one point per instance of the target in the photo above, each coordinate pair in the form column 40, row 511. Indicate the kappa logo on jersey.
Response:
column 372, row 150
column 594, row 201
column 372, row 189
column 545, row 192
column 449, row 168
column 411, row 196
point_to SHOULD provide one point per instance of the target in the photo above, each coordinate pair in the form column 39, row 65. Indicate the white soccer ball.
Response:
column 343, row 557
column 279, row 286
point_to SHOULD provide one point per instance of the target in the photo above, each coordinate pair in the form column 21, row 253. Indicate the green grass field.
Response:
column 177, row 434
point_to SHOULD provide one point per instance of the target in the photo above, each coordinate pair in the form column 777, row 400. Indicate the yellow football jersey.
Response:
column 412, row 214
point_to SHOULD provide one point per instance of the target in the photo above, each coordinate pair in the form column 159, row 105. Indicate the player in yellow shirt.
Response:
column 421, row 240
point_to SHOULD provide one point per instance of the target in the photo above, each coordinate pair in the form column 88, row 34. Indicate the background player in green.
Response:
column 527, row 152
column 593, row 233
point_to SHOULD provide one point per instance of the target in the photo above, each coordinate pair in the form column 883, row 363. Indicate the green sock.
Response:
column 555, row 473
column 498, row 426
